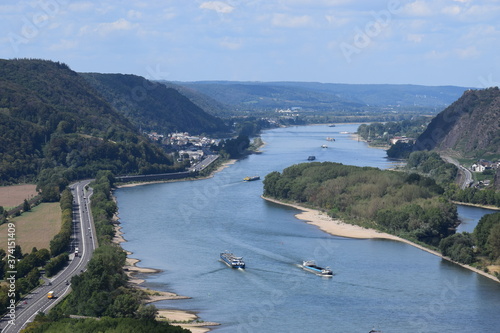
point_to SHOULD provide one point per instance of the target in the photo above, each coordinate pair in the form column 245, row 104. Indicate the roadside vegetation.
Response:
column 102, row 291
column 431, row 165
column 29, row 266
column 481, row 248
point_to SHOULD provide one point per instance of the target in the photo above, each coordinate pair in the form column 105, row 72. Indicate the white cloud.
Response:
column 119, row 25
column 435, row 55
column 289, row 21
column 134, row 14
column 417, row 8
column 315, row 3
column 462, row 53
column 480, row 32
column 467, row 53
column 107, row 28
column 452, row 10
column 231, row 44
column 218, row 6
column 169, row 14
column 336, row 21
column 81, row 6
column 63, row 45
column 415, row 38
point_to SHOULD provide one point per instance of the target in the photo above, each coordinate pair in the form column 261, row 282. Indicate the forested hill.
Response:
column 153, row 106
column 470, row 126
column 55, row 127
column 324, row 97
column 205, row 102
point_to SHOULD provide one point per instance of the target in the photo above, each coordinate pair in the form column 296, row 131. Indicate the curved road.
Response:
column 467, row 178
column 83, row 239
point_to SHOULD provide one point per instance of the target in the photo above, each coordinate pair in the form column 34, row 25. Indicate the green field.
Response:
column 35, row 228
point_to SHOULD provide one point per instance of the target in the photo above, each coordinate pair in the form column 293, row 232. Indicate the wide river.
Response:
column 182, row 227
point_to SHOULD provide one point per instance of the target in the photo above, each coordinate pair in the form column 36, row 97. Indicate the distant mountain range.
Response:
column 324, row 97
column 469, row 127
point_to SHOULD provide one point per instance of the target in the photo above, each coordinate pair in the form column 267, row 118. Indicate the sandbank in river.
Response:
column 336, row 227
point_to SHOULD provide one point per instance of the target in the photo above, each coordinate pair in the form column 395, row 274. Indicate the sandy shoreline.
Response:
column 476, row 205
column 181, row 318
column 338, row 228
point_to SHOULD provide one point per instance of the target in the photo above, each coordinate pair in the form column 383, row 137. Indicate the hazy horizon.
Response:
column 432, row 43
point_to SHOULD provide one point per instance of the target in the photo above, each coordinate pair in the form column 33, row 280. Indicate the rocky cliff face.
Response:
column 470, row 126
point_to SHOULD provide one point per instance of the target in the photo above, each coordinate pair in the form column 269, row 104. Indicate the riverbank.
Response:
column 220, row 168
column 476, row 205
column 336, row 227
column 182, row 318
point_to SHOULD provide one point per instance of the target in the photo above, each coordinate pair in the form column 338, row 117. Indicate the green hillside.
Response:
column 153, row 106
column 55, row 127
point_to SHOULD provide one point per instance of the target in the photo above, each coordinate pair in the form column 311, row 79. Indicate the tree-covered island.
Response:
column 407, row 205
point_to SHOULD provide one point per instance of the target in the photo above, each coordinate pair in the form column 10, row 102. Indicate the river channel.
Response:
column 181, row 228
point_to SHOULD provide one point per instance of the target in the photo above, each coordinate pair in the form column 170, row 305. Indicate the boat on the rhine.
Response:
column 310, row 266
column 231, row 260
column 249, row 179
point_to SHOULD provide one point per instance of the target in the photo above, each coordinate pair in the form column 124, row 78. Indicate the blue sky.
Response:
column 430, row 42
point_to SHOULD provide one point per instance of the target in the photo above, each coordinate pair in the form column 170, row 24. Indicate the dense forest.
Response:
column 408, row 205
column 56, row 128
column 152, row 106
column 431, row 165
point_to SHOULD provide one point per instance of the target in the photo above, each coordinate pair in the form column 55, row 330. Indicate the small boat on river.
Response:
column 310, row 266
column 249, row 179
column 231, row 260
column 311, row 158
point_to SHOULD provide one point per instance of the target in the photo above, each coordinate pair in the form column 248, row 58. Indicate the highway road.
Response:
column 204, row 163
column 83, row 238
column 466, row 180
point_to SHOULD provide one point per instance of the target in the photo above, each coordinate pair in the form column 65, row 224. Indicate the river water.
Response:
column 182, row 227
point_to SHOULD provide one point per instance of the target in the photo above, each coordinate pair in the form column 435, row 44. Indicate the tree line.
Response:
column 102, row 290
column 28, row 266
column 480, row 248
column 408, row 205
column 405, row 204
